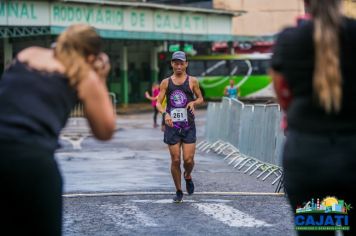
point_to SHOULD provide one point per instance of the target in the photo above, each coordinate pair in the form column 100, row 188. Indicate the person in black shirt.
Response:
column 37, row 92
column 314, row 77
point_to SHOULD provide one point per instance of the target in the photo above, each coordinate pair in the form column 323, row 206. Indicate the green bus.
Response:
column 249, row 71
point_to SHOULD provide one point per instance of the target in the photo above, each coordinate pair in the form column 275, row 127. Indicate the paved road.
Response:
column 126, row 189
column 157, row 215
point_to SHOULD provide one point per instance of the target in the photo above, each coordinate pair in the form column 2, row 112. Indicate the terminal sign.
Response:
column 35, row 13
column 24, row 13
column 128, row 19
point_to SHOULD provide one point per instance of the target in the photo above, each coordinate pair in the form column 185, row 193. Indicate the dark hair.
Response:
column 327, row 79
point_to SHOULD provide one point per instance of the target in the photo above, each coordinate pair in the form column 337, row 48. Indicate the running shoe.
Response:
column 178, row 198
column 190, row 186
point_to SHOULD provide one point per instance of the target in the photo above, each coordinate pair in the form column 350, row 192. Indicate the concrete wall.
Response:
column 263, row 17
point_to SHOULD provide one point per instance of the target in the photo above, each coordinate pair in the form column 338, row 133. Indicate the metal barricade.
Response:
column 249, row 137
column 235, row 122
column 77, row 111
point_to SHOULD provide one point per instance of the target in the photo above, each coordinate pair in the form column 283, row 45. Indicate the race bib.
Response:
column 179, row 115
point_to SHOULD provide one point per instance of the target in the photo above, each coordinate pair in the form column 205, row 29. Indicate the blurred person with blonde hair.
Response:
column 314, row 77
column 37, row 92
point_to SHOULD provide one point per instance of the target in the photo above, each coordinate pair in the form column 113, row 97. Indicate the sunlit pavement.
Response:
column 124, row 187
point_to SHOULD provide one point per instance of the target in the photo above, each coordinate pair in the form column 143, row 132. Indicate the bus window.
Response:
column 255, row 67
column 217, row 68
column 196, row 68
column 265, row 65
column 260, row 67
column 239, row 67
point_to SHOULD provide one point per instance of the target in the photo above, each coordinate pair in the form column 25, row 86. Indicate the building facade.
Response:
column 266, row 17
column 134, row 33
column 263, row 17
column 190, row 3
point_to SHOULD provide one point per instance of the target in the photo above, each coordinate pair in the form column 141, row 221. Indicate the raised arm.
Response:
column 149, row 97
column 197, row 92
column 98, row 109
column 162, row 93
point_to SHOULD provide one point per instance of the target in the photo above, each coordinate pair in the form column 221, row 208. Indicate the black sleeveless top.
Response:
column 178, row 96
column 34, row 105
column 294, row 58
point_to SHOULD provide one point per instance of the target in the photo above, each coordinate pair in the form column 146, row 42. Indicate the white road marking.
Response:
column 75, row 141
column 217, row 200
column 169, row 201
column 162, row 201
column 127, row 216
column 229, row 215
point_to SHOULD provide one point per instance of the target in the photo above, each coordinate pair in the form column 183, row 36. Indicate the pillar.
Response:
column 8, row 51
column 124, row 77
column 154, row 64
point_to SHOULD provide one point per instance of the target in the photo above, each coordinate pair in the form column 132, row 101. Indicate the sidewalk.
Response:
column 134, row 108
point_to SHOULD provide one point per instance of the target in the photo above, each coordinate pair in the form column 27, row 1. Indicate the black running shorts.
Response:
column 174, row 135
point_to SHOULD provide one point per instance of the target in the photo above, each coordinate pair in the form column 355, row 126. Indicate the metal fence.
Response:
column 78, row 110
column 249, row 136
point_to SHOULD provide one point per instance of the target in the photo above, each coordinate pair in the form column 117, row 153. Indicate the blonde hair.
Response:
column 327, row 78
column 72, row 48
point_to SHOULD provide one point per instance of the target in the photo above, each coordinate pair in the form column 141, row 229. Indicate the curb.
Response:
column 74, row 195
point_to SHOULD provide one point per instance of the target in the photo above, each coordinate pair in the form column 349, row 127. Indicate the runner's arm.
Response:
column 198, row 94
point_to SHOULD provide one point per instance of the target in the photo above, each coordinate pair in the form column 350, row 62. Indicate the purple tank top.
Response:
column 178, row 97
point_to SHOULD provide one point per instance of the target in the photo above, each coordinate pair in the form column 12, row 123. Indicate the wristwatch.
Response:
column 164, row 114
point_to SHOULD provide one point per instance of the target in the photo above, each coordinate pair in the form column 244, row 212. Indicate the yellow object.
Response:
column 164, row 103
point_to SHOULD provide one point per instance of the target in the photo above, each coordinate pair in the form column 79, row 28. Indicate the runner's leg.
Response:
column 188, row 158
column 175, row 164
